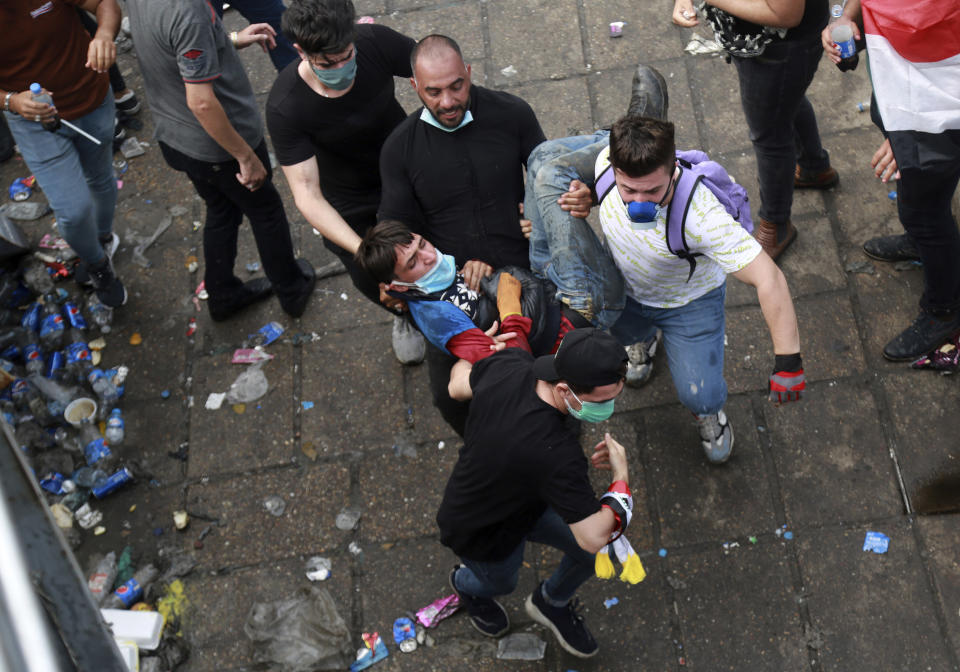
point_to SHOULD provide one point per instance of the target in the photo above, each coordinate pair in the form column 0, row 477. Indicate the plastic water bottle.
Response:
column 842, row 36
column 51, row 327
column 106, row 391
column 114, row 432
column 102, row 577
column 36, row 92
column 99, row 313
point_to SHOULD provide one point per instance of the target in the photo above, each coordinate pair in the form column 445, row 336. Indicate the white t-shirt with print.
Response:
column 654, row 275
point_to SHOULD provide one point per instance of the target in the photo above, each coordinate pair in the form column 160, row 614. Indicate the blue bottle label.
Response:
column 129, row 592
column 51, row 324
column 847, row 48
column 77, row 352
column 74, row 316
column 96, row 450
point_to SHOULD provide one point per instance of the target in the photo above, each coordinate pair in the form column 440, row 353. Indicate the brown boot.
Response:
column 774, row 238
column 827, row 179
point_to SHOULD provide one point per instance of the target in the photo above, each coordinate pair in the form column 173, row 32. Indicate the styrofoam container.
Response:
column 140, row 627
column 79, row 410
column 130, row 655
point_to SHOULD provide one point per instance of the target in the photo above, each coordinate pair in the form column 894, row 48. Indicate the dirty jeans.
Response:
column 929, row 165
column 693, row 340
column 76, row 175
column 563, row 248
column 783, row 126
column 490, row 578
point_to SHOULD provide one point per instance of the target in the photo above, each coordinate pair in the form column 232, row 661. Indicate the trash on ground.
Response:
column 266, row 334
column 215, row 400
column 946, row 358
column 863, row 107
column 521, row 646
column 318, row 568
column 373, row 652
column 610, row 602
column 437, row 610
column 132, row 147
column 616, row 28
column 191, row 263
column 146, row 241
column 309, row 450
column 860, row 266
column 702, row 46
column 876, row 542
column 173, row 605
column 136, row 338
column 306, row 405
column 100, row 581
column 348, row 518
column 508, row 71
column 662, row 552
column 143, row 628
column 253, row 267
column 181, row 519
column 300, row 633
column 25, row 211
column 249, row 386
column 275, row 505
column 892, row 195
column 405, row 634
column 250, row 356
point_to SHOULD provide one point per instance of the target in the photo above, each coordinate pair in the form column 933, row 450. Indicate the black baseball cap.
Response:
column 586, row 358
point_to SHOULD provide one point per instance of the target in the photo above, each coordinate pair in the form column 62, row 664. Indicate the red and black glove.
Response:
column 787, row 380
column 618, row 499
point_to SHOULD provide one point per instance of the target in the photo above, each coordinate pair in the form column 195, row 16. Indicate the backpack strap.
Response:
column 605, row 182
column 677, row 216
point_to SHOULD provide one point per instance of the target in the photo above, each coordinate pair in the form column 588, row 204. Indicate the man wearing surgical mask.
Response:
column 522, row 476
column 329, row 114
column 453, row 170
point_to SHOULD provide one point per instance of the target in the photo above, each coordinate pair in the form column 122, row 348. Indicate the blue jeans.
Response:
column 499, row 577
column 266, row 11
column 563, row 248
column 693, row 340
column 75, row 174
column 783, row 126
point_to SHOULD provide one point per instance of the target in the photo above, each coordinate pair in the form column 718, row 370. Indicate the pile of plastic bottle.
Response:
column 47, row 365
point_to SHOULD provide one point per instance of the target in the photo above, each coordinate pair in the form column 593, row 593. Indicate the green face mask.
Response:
column 591, row 411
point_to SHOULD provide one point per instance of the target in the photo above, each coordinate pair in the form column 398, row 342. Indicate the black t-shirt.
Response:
column 518, row 458
column 815, row 16
column 345, row 133
column 461, row 190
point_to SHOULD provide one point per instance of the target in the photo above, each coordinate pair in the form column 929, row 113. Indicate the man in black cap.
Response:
column 521, row 475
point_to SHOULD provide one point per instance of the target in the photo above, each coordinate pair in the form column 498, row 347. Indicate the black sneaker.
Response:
column 127, row 103
column 567, row 625
column 109, row 245
column 892, row 248
column 296, row 306
column 648, row 94
column 487, row 615
column 927, row 332
column 110, row 290
column 223, row 308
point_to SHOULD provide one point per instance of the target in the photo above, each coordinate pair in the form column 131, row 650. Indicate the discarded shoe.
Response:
column 409, row 345
column 892, row 248
column 826, row 179
column 295, row 307
column 774, row 238
column 648, row 94
column 486, row 614
column 716, row 436
column 640, row 356
column 927, row 332
column 564, row 622
column 222, row 308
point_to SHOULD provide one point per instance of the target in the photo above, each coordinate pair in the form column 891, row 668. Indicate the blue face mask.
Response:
column 339, row 78
column 430, row 119
column 590, row 411
column 646, row 212
column 438, row 278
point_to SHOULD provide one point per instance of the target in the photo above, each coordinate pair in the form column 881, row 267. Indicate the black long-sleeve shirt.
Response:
column 461, row 189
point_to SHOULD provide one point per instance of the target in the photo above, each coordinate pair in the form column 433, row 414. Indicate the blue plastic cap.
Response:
column 35, row 88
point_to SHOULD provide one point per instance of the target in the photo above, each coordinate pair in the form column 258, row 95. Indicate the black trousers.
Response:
column 227, row 202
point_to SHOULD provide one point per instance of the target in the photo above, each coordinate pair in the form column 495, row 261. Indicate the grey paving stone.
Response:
column 462, row 22
column 887, row 597
column 757, row 625
column 648, row 35
column 557, row 121
column 939, row 537
column 519, row 32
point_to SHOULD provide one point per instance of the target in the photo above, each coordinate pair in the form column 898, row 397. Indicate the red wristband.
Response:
column 620, row 487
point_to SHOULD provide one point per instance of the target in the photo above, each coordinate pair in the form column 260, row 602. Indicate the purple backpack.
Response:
column 696, row 167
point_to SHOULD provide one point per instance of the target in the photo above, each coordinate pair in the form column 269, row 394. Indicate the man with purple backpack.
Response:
column 674, row 226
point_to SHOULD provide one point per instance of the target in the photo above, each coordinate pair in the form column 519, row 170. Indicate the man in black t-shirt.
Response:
column 453, row 172
column 329, row 114
column 522, row 475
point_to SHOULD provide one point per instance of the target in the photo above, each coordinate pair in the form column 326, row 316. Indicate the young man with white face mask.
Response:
column 522, row 476
column 329, row 114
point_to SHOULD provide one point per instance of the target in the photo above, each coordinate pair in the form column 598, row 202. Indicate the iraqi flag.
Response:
column 915, row 62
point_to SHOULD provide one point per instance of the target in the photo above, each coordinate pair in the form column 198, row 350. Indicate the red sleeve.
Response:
column 521, row 327
column 471, row 345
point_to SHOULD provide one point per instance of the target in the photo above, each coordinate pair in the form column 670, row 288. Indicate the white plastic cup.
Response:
column 80, row 409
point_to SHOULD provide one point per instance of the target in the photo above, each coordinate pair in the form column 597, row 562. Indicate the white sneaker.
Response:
column 640, row 366
column 409, row 345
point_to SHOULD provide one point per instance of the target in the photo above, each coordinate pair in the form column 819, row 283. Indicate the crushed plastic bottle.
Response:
column 115, row 428
column 99, row 313
column 102, row 577
column 131, row 591
column 275, row 505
